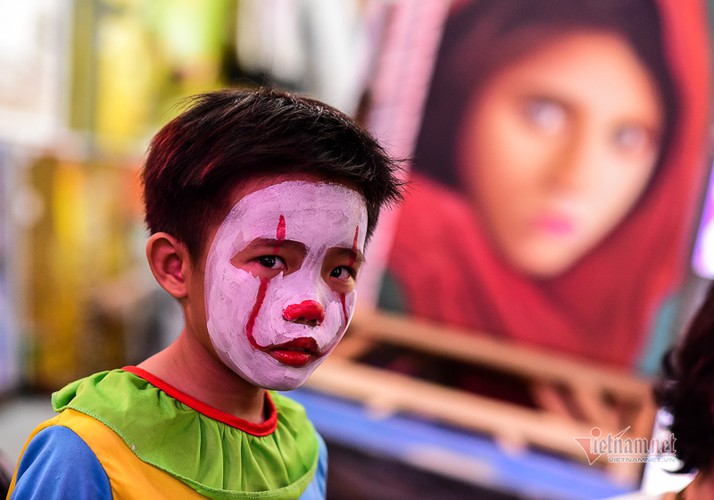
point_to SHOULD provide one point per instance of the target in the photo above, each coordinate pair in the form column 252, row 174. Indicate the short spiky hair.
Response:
column 225, row 138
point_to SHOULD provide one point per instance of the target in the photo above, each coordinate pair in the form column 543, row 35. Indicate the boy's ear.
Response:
column 168, row 258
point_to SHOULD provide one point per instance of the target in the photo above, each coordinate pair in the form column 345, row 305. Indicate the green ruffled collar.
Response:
column 216, row 454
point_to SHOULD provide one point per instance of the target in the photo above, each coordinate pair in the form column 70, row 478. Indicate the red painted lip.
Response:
column 296, row 353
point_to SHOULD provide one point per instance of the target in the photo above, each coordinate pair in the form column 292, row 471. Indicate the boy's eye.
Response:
column 272, row 262
column 342, row 273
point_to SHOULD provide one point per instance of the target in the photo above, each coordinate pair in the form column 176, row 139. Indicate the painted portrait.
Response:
column 556, row 174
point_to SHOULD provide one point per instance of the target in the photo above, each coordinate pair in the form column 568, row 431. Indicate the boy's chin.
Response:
column 282, row 378
column 286, row 384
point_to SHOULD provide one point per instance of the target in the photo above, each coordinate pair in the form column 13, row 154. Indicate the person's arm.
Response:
column 58, row 465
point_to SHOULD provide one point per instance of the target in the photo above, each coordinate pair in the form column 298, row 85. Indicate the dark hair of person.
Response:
column 483, row 36
column 227, row 137
column 686, row 390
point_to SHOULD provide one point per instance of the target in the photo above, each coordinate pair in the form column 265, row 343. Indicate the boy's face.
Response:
column 280, row 279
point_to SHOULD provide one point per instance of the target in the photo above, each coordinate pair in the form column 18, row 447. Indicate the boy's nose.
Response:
column 307, row 312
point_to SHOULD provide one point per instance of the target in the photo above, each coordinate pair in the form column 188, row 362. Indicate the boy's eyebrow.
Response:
column 355, row 255
column 274, row 243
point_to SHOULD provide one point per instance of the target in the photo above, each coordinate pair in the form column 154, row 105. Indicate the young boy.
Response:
column 259, row 205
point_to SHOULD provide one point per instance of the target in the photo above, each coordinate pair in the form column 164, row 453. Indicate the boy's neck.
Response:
column 188, row 366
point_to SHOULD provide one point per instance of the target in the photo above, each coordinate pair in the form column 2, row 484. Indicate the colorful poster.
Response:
column 84, row 268
column 32, row 53
column 703, row 255
column 556, row 166
column 9, row 353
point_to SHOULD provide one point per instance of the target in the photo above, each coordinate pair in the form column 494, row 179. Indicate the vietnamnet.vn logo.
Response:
column 616, row 447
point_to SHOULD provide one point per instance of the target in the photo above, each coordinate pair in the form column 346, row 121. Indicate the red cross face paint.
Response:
column 280, row 279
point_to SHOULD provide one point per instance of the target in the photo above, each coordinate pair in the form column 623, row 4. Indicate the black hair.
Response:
column 227, row 137
column 686, row 390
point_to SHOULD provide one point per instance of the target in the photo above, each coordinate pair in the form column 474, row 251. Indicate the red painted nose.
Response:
column 306, row 312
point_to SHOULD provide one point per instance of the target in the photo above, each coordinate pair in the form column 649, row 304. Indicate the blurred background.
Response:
column 490, row 410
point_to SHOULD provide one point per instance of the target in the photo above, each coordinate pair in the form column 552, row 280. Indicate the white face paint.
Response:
column 274, row 324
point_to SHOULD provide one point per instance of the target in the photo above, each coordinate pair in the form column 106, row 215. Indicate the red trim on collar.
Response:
column 262, row 429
